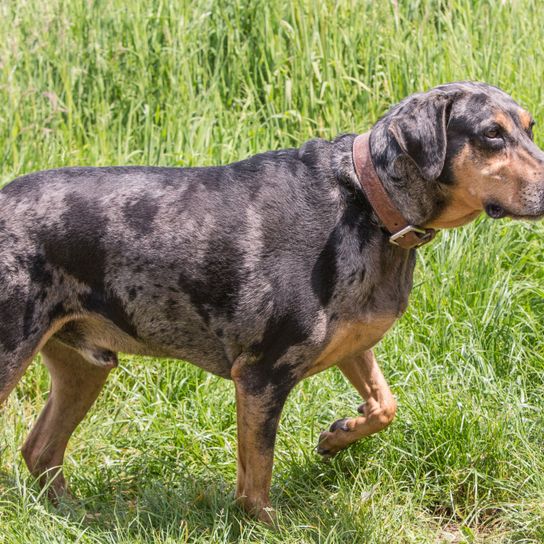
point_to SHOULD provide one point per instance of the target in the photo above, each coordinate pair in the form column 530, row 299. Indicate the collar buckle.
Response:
column 420, row 236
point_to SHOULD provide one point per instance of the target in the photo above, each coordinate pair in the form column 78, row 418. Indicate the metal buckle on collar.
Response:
column 424, row 235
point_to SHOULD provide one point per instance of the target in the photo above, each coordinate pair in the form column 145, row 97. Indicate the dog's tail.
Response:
column 20, row 336
column 6, row 383
column 10, row 374
column 13, row 364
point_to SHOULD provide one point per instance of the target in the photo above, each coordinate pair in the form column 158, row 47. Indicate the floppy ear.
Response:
column 420, row 130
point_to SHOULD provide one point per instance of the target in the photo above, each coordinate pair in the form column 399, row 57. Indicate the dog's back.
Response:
column 180, row 262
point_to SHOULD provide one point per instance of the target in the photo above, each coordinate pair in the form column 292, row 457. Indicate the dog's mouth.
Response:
column 495, row 211
column 498, row 212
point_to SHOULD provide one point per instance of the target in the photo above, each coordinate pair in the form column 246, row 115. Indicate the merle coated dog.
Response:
column 264, row 271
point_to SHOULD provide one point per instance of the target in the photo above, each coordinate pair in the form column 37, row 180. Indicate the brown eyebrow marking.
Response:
column 504, row 120
column 526, row 119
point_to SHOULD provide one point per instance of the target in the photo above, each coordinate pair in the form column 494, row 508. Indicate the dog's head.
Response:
column 470, row 146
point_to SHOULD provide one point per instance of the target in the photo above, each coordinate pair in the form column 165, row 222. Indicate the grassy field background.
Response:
column 95, row 82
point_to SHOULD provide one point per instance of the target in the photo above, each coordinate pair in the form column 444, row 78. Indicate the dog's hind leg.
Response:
column 75, row 385
column 377, row 412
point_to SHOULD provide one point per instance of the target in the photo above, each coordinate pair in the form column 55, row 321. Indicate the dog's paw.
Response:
column 340, row 424
column 267, row 516
column 335, row 439
column 262, row 512
column 59, row 494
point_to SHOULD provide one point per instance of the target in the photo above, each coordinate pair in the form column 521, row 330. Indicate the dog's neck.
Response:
column 402, row 233
column 417, row 199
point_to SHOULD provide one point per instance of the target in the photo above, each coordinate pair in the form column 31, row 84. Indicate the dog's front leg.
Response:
column 377, row 412
column 261, row 392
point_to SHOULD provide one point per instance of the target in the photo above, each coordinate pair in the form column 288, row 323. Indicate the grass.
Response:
column 208, row 82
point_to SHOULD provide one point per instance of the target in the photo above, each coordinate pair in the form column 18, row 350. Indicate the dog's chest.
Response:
column 350, row 338
column 362, row 312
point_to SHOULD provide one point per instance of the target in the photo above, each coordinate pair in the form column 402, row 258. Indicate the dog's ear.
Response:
column 420, row 131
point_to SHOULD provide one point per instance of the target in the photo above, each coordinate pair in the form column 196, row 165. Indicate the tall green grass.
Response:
column 185, row 83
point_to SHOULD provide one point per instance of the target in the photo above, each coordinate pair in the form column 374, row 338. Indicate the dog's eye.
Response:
column 492, row 133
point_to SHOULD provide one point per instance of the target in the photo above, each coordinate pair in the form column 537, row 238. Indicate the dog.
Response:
column 265, row 271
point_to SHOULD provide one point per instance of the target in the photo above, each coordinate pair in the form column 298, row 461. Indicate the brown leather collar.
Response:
column 402, row 233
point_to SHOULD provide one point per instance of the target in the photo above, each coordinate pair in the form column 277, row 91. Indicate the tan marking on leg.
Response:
column 75, row 385
column 254, row 465
column 378, row 411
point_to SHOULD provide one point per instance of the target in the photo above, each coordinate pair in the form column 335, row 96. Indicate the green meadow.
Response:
column 177, row 83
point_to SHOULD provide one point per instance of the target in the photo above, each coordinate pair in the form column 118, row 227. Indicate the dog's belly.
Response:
column 94, row 336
